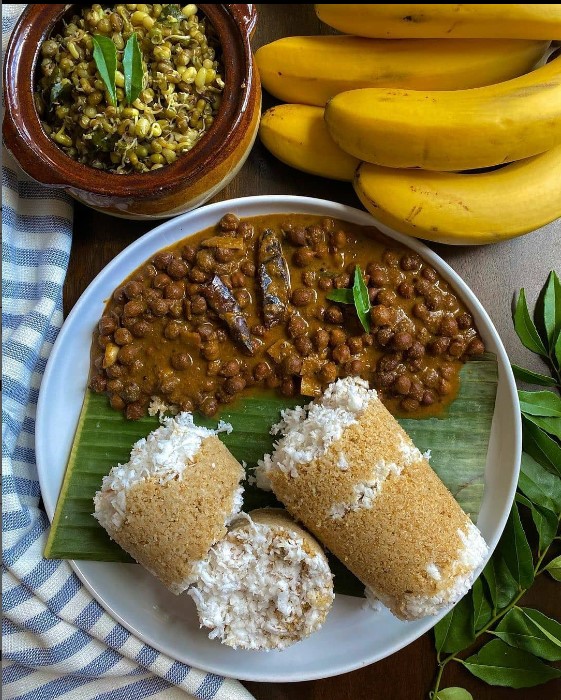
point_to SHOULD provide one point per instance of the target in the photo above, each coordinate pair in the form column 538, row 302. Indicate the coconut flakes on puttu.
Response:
column 266, row 585
column 173, row 499
column 387, row 516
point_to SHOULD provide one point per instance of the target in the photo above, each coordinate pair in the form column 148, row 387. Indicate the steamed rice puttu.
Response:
column 265, row 586
column 347, row 470
column 173, row 499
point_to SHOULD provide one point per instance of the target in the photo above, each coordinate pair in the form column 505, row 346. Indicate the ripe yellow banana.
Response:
column 445, row 21
column 451, row 130
column 463, row 208
column 312, row 69
column 297, row 135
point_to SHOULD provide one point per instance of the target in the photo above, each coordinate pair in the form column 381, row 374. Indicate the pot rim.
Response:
column 43, row 160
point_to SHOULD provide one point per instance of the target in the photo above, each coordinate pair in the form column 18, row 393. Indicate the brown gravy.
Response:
column 191, row 328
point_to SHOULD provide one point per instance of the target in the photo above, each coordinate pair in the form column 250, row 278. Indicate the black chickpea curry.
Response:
column 245, row 307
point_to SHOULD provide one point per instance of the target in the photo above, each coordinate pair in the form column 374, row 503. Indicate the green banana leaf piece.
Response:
column 104, row 438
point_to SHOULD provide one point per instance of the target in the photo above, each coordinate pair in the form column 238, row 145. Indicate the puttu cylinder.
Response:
column 265, row 586
column 173, row 499
column 347, row 470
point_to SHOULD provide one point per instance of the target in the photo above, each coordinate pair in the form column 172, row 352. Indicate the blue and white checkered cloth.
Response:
column 58, row 641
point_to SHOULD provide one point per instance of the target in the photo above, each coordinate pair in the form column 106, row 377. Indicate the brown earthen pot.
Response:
column 176, row 188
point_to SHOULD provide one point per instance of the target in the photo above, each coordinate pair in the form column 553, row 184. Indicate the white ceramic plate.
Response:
column 352, row 637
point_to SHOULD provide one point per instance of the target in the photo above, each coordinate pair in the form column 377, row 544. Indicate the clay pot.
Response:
column 176, row 188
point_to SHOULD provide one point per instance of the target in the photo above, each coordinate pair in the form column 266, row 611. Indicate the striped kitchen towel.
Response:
column 58, row 641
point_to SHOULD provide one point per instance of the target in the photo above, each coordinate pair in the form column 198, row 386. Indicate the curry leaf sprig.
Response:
column 358, row 296
column 526, row 644
column 105, row 57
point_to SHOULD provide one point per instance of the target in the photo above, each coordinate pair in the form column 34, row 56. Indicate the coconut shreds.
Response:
column 310, row 430
column 365, row 492
column 471, row 554
column 371, row 602
column 237, row 504
column 259, row 589
column 164, row 454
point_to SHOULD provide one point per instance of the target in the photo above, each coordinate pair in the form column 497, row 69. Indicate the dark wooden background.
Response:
column 493, row 272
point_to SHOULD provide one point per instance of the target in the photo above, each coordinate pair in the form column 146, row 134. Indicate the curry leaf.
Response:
column 554, row 568
column 552, row 426
column 515, row 551
column 358, row 296
column 453, row 694
column 526, row 375
column 532, row 631
column 343, row 296
column 105, row 57
column 361, row 299
column 455, row 631
column 497, row 575
column 539, row 485
column 133, row 69
column 171, row 14
column 544, row 520
column 540, row 403
column 490, row 576
column 482, row 609
column 499, row 664
column 552, row 308
column 60, row 90
column 525, row 328
column 541, row 447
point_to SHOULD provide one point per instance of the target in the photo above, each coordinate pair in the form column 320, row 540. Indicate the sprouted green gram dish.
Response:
column 181, row 91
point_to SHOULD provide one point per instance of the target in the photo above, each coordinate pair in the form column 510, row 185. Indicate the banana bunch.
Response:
column 407, row 121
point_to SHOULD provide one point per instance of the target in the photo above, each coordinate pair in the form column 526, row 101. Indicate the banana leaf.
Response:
column 104, row 437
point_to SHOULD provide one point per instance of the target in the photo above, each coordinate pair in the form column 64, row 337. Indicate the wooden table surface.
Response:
column 494, row 273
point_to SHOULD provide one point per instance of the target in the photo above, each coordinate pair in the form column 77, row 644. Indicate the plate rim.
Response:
column 289, row 202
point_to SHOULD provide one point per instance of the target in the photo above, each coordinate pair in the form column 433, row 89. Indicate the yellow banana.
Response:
column 445, row 21
column 312, row 69
column 451, row 130
column 463, row 208
column 297, row 135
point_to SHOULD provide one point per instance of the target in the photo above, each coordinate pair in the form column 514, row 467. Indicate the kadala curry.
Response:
column 249, row 305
